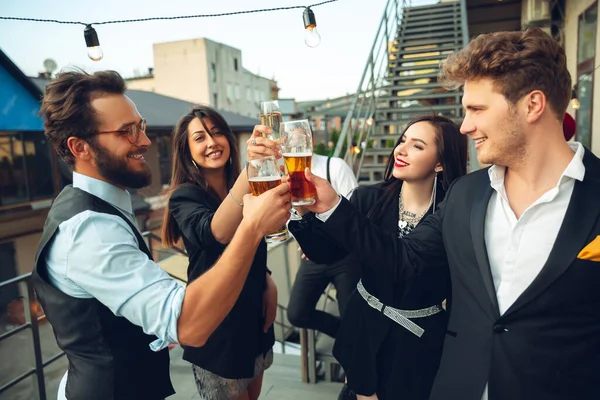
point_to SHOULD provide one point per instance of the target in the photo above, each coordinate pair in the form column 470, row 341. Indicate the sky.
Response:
column 272, row 43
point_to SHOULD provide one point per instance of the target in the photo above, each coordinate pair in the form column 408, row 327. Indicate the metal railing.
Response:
column 280, row 323
column 360, row 123
column 33, row 324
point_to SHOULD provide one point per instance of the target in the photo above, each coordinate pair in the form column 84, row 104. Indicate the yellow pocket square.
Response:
column 591, row 252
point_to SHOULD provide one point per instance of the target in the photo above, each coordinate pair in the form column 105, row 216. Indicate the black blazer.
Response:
column 231, row 350
column 366, row 333
column 547, row 344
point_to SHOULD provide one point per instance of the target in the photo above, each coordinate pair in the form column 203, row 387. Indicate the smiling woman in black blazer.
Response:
column 204, row 212
column 392, row 332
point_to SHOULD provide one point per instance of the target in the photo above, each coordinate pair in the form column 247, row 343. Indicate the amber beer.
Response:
column 303, row 191
column 259, row 185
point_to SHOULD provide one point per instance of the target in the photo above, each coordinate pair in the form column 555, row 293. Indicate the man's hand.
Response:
column 269, row 303
column 303, row 256
column 269, row 211
column 326, row 198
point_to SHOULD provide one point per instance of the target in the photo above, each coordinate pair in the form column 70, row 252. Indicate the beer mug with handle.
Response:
column 263, row 174
column 297, row 151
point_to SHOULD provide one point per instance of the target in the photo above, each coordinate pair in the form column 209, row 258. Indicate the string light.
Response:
column 93, row 44
column 574, row 100
column 95, row 52
column 311, row 37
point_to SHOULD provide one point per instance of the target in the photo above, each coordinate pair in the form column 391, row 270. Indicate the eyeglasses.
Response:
column 132, row 131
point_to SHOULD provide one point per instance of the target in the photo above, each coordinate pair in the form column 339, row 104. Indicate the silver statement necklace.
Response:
column 407, row 220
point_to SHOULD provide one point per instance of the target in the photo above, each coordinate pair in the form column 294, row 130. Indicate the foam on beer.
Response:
column 306, row 154
column 264, row 179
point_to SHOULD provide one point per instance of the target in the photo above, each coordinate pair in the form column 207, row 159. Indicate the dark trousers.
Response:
column 311, row 281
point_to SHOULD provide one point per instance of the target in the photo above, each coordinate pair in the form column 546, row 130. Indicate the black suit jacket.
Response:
column 231, row 350
column 547, row 344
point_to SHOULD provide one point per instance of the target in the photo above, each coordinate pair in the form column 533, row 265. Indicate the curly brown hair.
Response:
column 67, row 110
column 517, row 63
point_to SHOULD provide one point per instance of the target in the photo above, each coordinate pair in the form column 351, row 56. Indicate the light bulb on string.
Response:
column 93, row 44
column 574, row 100
column 311, row 36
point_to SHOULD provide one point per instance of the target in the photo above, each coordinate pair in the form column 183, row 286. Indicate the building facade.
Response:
column 31, row 175
column 206, row 72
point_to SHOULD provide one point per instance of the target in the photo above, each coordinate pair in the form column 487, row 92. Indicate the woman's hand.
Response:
column 260, row 146
column 269, row 303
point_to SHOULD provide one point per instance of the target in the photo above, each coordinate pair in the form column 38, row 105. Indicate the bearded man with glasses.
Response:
column 113, row 310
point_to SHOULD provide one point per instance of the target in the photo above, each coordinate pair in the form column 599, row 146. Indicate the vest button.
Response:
column 499, row 328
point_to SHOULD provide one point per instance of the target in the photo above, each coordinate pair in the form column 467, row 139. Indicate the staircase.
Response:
column 400, row 81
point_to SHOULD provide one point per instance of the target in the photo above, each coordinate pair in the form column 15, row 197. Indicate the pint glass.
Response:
column 297, row 150
column 263, row 175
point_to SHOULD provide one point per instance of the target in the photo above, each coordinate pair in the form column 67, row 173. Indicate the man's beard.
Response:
column 117, row 171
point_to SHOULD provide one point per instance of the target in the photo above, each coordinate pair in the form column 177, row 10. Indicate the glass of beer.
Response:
column 271, row 117
column 263, row 175
column 297, row 150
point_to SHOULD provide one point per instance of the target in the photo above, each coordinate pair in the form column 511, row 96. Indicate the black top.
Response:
column 378, row 355
column 231, row 350
column 109, row 357
column 547, row 344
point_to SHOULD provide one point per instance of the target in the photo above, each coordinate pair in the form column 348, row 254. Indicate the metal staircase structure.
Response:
column 400, row 83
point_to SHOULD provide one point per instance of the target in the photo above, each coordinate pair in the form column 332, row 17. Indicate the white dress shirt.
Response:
column 518, row 248
column 342, row 177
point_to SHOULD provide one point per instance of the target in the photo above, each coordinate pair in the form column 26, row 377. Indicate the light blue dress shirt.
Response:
column 96, row 255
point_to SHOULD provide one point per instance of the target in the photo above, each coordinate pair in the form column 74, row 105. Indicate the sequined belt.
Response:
column 401, row 317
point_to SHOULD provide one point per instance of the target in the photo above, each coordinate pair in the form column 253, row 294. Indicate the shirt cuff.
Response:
column 171, row 334
column 325, row 216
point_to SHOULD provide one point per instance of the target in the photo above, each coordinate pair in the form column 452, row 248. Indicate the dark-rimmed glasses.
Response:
column 132, row 131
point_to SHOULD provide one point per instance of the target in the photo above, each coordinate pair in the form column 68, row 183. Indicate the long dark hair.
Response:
column 452, row 154
column 183, row 169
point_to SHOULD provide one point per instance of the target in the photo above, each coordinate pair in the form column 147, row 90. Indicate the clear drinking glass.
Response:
column 271, row 117
column 297, row 151
column 263, row 175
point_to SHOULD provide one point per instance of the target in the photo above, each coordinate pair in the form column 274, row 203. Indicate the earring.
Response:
column 434, row 190
column 195, row 165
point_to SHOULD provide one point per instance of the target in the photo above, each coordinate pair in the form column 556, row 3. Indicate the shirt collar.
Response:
column 108, row 192
column 575, row 169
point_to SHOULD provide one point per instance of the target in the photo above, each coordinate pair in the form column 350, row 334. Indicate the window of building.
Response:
column 235, row 64
column 586, row 59
column 238, row 94
column 26, row 168
column 322, row 124
column 215, row 100
column 229, row 92
column 248, row 93
column 213, row 72
column 256, row 95
column 8, row 271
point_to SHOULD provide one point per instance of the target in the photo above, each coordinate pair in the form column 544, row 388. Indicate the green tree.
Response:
column 321, row 148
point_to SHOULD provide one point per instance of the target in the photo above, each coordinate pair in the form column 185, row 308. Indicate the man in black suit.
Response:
column 521, row 238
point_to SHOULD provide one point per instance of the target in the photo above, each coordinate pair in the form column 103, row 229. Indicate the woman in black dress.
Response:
column 392, row 332
column 204, row 211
